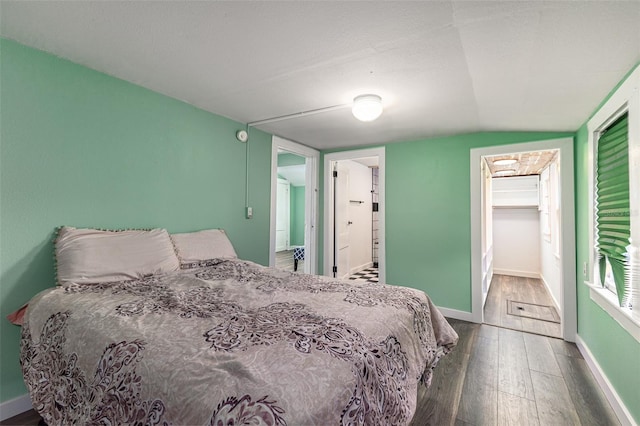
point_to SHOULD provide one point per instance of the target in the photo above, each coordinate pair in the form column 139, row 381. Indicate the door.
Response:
column 342, row 222
column 282, row 215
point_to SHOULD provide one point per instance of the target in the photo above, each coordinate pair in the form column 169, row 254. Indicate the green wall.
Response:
column 297, row 215
column 288, row 159
column 427, row 207
column 428, row 239
column 617, row 352
column 428, row 231
column 84, row 149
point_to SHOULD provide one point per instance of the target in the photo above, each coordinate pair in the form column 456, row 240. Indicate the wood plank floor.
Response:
column 531, row 290
column 498, row 376
column 28, row 418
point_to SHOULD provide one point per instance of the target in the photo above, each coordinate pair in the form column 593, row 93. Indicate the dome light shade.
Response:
column 505, row 162
column 507, row 172
column 367, row 107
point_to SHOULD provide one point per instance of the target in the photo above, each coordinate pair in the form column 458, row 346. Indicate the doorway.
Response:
column 354, row 215
column 294, row 201
column 522, row 289
column 482, row 234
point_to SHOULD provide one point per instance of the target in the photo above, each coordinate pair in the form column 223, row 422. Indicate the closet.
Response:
column 516, row 226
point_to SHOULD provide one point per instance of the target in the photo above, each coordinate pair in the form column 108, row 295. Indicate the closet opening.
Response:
column 523, row 237
column 521, row 234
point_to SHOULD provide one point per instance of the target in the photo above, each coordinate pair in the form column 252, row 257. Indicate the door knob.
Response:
column 349, row 223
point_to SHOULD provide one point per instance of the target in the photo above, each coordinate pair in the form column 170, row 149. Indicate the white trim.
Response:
column 329, row 159
column 515, row 273
column 287, row 241
column 456, row 314
column 609, row 303
column 310, row 205
column 15, row 406
column 625, row 99
column 624, row 416
column 567, row 226
column 555, row 302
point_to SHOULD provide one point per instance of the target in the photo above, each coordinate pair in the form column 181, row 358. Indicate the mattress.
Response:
column 230, row 342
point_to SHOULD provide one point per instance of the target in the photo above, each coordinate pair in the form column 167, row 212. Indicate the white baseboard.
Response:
column 15, row 406
column 555, row 302
column 515, row 273
column 609, row 391
column 455, row 314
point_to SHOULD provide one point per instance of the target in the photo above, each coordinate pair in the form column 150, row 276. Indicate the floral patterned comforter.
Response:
column 231, row 342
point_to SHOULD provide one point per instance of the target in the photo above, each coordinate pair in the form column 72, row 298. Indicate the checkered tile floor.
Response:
column 369, row 274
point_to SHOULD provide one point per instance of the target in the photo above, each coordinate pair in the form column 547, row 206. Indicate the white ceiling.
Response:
column 442, row 67
column 368, row 161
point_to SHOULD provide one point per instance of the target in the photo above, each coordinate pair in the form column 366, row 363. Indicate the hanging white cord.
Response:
column 246, row 166
column 298, row 114
column 273, row 120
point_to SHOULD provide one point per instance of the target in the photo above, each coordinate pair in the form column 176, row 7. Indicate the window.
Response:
column 614, row 147
column 612, row 210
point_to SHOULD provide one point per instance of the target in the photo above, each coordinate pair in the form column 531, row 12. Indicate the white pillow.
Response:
column 203, row 245
column 95, row 256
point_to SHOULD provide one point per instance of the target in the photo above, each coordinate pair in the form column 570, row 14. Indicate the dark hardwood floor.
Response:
column 531, row 290
column 28, row 418
column 497, row 376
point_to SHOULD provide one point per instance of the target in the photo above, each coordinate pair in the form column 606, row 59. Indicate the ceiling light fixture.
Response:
column 507, row 172
column 367, row 107
column 505, row 162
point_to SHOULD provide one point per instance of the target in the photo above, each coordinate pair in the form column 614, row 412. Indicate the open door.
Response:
column 342, row 223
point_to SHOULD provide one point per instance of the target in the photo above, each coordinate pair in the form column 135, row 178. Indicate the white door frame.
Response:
column 287, row 214
column 567, row 225
column 310, row 200
column 486, row 218
column 329, row 159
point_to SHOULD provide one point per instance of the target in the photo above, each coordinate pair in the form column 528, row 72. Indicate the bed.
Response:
column 210, row 339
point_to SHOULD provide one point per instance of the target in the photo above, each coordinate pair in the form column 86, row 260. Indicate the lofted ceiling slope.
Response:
column 441, row 67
